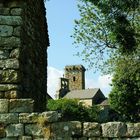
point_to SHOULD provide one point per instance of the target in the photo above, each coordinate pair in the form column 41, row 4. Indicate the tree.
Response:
column 109, row 32
column 125, row 95
column 107, row 29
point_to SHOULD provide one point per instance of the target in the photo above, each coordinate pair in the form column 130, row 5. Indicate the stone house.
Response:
column 87, row 96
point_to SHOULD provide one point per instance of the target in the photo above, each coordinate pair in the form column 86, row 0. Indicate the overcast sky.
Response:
column 60, row 19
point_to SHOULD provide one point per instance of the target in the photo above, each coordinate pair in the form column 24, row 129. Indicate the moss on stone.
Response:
column 6, row 87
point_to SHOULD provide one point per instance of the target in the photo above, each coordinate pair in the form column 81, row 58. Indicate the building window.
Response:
column 74, row 78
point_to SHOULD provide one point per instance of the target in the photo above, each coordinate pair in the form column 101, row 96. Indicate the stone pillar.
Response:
column 23, row 51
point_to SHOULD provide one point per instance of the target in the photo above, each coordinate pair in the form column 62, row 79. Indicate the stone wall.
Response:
column 23, row 51
column 18, row 122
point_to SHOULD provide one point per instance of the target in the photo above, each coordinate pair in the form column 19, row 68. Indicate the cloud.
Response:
column 102, row 82
column 53, row 80
column 54, row 74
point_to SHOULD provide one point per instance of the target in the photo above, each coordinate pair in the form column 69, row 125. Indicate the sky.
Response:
column 61, row 52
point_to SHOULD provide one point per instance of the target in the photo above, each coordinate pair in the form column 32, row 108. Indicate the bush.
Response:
column 73, row 110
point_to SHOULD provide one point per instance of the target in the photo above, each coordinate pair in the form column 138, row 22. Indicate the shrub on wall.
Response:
column 73, row 110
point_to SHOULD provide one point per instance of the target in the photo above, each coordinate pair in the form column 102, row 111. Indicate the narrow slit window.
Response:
column 74, row 78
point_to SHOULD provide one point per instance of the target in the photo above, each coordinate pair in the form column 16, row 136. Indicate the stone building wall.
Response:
column 19, row 122
column 23, row 51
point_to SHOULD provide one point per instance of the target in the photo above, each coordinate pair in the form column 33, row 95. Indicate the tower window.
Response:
column 74, row 78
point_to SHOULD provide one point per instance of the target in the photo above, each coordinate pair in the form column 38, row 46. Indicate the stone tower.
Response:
column 76, row 76
column 23, row 46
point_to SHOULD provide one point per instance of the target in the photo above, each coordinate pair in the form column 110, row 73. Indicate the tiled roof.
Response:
column 82, row 94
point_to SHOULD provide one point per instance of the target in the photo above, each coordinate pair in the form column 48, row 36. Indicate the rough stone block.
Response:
column 10, row 42
column 50, row 116
column 4, row 105
column 99, row 138
column 21, row 105
column 2, row 131
column 8, row 118
column 4, row 54
column 14, row 138
column 16, row 11
column 28, row 117
column 14, row 130
column 26, row 138
column 42, row 138
column 17, row 31
column 133, row 129
column 14, row 53
column 7, row 87
column 9, row 76
column 34, row 130
column 10, row 20
column 12, row 94
column 4, row 11
column 15, row 4
column 114, row 129
column 82, row 138
column 68, row 129
column 1, row 95
column 9, row 64
column 91, row 129
column 135, row 138
column 6, row 30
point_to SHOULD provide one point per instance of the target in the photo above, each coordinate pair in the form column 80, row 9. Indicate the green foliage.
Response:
column 109, row 32
column 74, row 110
column 125, row 95
column 107, row 29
